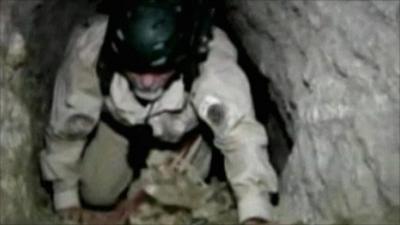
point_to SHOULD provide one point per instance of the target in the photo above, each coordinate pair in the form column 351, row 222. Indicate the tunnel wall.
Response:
column 19, row 194
column 334, row 72
column 33, row 35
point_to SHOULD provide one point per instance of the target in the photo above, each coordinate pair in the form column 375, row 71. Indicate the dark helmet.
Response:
column 156, row 35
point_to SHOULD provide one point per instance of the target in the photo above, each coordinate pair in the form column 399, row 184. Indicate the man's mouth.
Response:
column 149, row 81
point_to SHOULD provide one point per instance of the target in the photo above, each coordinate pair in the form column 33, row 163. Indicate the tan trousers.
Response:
column 105, row 172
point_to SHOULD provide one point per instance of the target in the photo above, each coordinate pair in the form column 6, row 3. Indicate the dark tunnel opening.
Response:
column 279, row 145
column 266, row 109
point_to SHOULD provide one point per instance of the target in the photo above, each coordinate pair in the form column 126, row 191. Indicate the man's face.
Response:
column 149, row 86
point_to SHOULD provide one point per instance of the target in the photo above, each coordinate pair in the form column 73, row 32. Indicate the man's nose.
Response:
column 148, row 79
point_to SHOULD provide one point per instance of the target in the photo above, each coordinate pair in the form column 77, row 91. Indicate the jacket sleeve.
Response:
column 222, row 99
column 75, row 111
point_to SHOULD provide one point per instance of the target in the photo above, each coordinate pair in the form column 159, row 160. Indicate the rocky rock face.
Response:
column 17, row 164
column 334, row 68
column 28, row 61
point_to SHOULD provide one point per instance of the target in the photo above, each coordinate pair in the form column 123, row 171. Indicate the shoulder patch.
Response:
column 216, row 114
column 213, row 111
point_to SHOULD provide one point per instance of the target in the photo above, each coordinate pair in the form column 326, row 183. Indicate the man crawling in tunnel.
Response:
column 147, row 77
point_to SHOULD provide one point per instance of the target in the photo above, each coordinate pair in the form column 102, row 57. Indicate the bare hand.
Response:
column 73, row 214
column 78, row 215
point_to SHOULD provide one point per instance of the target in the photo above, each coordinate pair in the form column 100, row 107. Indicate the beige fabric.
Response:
column 220, row 97
column 105, row 172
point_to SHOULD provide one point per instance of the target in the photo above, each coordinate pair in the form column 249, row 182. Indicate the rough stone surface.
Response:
column 19, row 202
column 28, row 62
column 334, row 68
column 179, row 195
